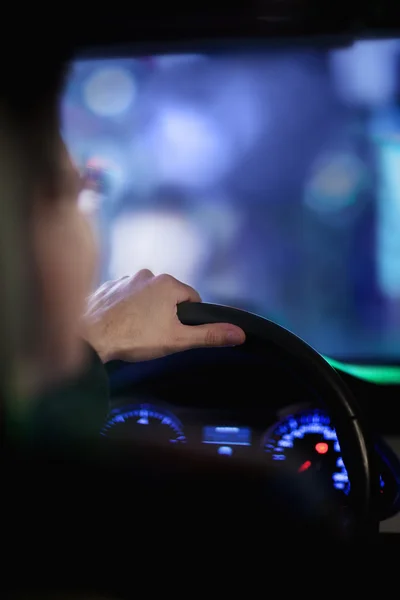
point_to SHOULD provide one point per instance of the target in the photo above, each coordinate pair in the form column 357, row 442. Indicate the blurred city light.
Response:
column 109, row 91
column 364, row 73
column 161, row 242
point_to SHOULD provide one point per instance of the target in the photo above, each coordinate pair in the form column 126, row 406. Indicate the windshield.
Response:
column 268, row 180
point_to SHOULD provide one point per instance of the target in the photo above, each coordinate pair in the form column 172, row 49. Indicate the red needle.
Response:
column 306, row 465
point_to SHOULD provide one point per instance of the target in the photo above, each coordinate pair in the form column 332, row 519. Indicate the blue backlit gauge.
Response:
column 144, row 423
column 309, row 444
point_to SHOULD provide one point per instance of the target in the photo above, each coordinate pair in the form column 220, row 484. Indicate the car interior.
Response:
column 256, row 156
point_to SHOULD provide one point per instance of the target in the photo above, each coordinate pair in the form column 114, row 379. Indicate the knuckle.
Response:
column 194, row 293
column 144, row 273
column 140, row 277
column 166, row 280
column 212, row 338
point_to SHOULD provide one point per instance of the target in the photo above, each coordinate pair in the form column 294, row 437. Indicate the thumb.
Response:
column 211, row 336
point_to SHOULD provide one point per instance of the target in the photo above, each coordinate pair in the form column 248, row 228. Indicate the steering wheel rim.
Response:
column 358, row 448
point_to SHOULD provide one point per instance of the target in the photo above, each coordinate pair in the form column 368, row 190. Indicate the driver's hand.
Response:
column 135, row 319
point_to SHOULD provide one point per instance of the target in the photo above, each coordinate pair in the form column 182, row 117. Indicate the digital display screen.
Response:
column 268, row 180
column 232, row 436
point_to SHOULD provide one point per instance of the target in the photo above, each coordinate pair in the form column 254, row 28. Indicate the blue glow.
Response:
column 232, row 436
column 225, row 451
column 339, row 485
column 296, row 427
column 145, row 415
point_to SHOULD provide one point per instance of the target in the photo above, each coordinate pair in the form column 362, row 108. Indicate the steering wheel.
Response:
column 356, row 443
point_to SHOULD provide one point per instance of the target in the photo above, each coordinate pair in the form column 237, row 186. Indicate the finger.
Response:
column 187, row 294
column 142, row 276
column 212, row 336
column 180, row 291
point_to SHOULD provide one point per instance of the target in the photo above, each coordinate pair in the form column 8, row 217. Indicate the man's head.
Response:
column 46, row 248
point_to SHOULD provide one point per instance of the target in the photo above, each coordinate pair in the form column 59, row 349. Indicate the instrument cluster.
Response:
column 302, row 437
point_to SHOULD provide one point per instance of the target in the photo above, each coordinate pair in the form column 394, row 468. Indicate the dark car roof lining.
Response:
column 152, row 24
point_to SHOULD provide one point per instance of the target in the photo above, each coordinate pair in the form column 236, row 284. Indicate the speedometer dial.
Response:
column 308, row 443
column 144, row 423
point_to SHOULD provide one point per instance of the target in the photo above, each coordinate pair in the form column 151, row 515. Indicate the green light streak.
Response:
column 380, row 374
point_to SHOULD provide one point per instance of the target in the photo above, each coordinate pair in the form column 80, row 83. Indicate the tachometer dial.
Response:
column 308, row 443
column 144, row 423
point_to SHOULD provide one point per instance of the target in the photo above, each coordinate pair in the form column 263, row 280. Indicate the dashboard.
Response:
column 237, row 404
column 302, row 437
